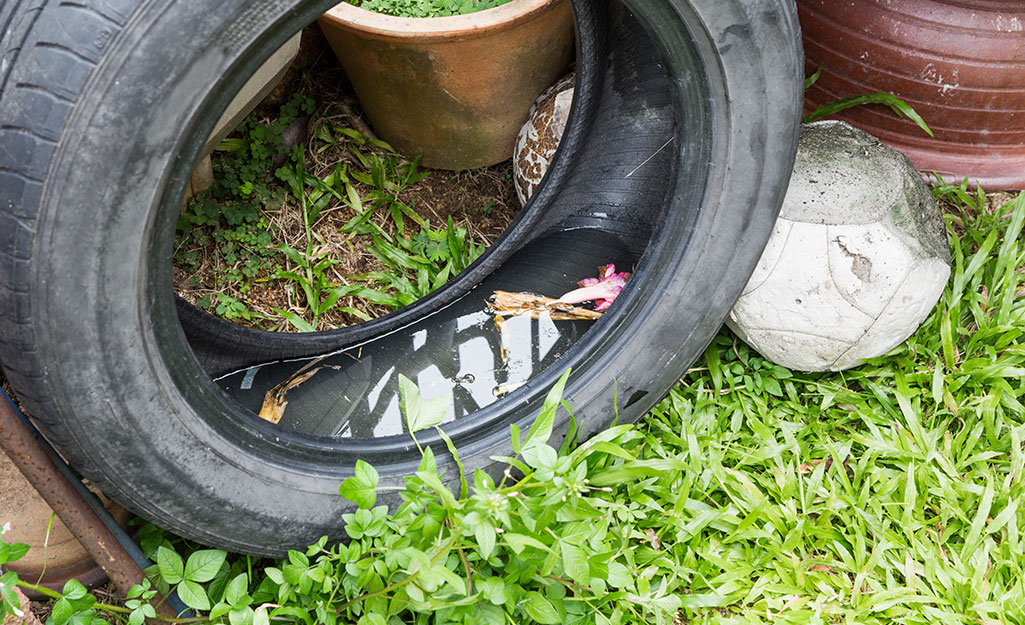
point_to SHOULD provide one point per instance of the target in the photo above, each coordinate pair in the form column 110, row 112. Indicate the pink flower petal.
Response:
column 605, row 288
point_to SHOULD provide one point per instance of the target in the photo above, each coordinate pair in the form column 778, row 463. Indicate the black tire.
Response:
column 104, row 106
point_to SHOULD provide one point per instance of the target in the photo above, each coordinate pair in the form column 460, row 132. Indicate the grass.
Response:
column 427, row 8
column 331, row 230
column 885, row 494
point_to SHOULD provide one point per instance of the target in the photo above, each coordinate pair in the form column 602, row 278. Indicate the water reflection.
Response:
column 458, row 350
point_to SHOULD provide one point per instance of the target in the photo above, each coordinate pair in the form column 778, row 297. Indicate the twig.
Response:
column 359, row 125
column 634, row 170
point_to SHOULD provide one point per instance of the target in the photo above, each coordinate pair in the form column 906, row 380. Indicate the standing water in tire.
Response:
column 353, row 392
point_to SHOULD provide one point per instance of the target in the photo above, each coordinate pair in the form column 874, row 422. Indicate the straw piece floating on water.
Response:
column 513, row 304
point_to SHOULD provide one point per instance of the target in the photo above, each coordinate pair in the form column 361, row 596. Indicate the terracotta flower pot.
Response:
column 959, row 63
column 455, row 89
column 55, row 555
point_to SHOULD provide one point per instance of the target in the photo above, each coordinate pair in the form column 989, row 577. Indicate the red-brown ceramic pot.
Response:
column 959, row 63
column 455, row 89
column 55, row 556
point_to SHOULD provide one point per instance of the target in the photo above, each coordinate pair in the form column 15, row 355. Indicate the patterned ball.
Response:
column 539, row 137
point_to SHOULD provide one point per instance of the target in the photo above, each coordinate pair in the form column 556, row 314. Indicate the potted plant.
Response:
column 960, row 65
column 455, row 89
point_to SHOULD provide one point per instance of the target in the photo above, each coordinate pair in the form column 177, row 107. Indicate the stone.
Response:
column 856, row 260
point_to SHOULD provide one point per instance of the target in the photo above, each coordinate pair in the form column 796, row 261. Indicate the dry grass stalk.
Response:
column 274, row 402
column 536, row 305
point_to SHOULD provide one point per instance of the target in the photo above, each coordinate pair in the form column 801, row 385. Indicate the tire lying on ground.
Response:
column 675, row 161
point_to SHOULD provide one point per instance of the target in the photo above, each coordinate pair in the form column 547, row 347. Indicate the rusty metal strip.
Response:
column 61, row 490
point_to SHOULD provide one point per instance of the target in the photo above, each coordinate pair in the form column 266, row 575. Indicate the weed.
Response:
column 246, row 160
column 235, row 229
column 427, row 8
column 227, row 307
column 311, row 263
column 371, row 186
column 897, row 105
column 229, row 217
column 261, row 222
column 553, row 547
column 886, row 494
column 417, row 265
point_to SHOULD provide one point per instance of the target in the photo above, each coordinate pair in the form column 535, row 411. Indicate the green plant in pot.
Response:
column 455, row 88
column 427, row 8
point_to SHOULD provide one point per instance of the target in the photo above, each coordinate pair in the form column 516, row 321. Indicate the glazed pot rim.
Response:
column 352, row 17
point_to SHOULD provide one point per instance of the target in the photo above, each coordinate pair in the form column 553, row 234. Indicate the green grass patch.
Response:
column 886, row 494
column 427, row 8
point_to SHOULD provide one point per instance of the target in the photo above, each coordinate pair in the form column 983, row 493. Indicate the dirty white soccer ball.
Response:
column 856, row 261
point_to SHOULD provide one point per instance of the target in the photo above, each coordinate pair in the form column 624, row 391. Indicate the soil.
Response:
column 481, row 200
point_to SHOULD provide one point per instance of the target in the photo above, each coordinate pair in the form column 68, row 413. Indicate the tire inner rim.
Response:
column 341, row 387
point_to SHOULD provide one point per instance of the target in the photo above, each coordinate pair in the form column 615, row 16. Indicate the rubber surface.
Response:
column 680, row 144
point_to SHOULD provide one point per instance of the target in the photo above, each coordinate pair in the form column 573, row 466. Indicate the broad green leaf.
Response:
column 540, row 609
column 485, row 534
column 361, row 488
column 171, row 566
column 136, row 617
column 74, row 590
column 418, row 413
column 203, row 565
column 60, row 613
column 235, row 592
column 518, row 542
column 15, row 551
column 241, row 616
column 619, row 576
column 372, row 619
column 540, row 456
column 367, row 473
column 193, row 595
column 493, row 589
column 274, row 574
column 669, row 604
column 574, row 562
column 432, row 480
column 219, row 610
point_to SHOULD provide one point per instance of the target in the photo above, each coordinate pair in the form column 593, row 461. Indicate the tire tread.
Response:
column 42, row 42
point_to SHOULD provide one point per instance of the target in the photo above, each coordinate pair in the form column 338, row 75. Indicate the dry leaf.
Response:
column 274, row 401
column 500, row 327
column 535, row 305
